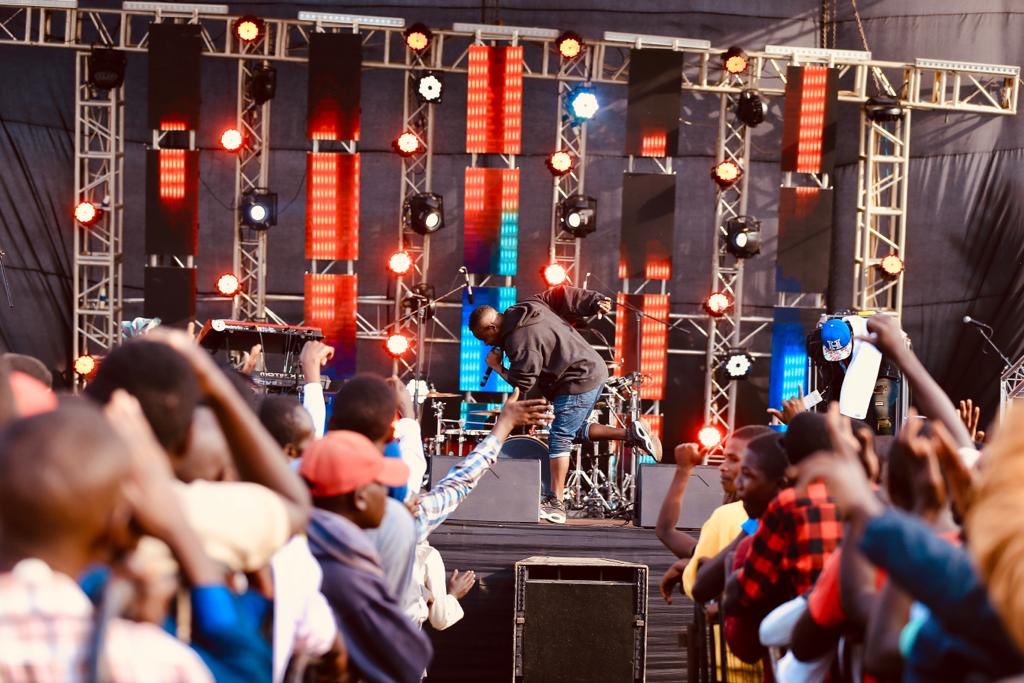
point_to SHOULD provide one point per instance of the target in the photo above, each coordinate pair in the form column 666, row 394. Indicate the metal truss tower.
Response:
column 99, row 178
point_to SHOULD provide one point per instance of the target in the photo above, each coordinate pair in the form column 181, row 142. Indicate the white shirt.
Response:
column 303, row 621
column 435, row 603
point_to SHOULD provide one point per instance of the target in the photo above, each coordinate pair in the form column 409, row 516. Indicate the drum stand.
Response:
column 595, row 481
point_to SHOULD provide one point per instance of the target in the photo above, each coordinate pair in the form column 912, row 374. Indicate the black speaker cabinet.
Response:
column 703, row 494
column 580, row 619
column 509, row 492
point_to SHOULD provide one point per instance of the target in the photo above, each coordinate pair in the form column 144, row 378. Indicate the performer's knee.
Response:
column 556, row 456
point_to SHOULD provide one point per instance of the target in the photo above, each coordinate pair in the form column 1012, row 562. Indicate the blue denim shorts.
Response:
column 570, row 423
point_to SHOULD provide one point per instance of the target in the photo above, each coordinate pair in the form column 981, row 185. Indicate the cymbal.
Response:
column 484, row 412
column 441, row 394
column 612, row 364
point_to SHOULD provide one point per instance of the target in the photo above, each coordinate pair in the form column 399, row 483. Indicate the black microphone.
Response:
column 968, row 320
column 469, row 289
column 489, row 370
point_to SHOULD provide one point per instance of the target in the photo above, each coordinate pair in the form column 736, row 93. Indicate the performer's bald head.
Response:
column 485, row 324
column 61, row 485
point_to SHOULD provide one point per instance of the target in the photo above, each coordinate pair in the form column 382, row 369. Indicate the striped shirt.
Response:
column 448, row 494
column 45, row 625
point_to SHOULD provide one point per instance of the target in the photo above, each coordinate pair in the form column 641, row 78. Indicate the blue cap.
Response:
column 836, row 340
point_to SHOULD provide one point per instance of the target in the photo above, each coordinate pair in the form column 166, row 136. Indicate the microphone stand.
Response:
column 985, row 335
column 3, row 277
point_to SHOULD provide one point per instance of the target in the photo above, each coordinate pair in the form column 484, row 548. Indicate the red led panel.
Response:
column 334, row 92
column 330, row 304
column 652, row 337
column 494, row 100
column 654, row 144
column 332, row 206
column 808, row 137
column 172, row 173
column 491, row 221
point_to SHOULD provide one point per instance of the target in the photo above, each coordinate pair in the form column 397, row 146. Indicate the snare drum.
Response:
column 461, row 442
column 530, row 448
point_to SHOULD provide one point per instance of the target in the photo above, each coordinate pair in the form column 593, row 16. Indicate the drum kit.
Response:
column 602, row 478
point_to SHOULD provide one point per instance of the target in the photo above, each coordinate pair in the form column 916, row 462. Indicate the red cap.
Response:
column 343, row 461
column 31, row 396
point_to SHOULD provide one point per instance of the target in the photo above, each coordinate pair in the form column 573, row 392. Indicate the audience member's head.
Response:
column 162, row 381
column 208, row 456
column 903, row 474
column 347, row 474
column 366, row 404
column 33, row 367
column 31, row 396
column 61, row 488
column 762, row 473
column 733, row 454
column 807, row 434
column 288, row 422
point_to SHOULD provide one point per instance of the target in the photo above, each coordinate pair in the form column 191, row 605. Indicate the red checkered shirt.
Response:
column 789, row 549
column 45, row 624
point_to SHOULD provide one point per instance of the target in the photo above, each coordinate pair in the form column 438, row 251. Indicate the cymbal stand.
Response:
column 578, row 477
column 438, row 409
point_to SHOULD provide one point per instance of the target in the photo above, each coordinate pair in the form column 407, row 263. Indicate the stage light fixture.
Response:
column 735, row 60
column 554, row 274
column 86, row 365
column 726, row 173
column 258, row 209
column 228, row 285
column 737, row 364
column 407, row 144
column 423, row 213
column 743, row 236
column 429, row 87
column 263, row 84
column 397, row 345
column 231, row 140
column 106, row 68
column 882, row 108
column 709, row 437
column 718, row 304
column 891, row 266
column 570, row 45
column 418, row 37
column 560, row 162
column 249, row 29
column 87, row 213
column 399, row 263
column 582, row 103
column 750, row 108
column 577, row 215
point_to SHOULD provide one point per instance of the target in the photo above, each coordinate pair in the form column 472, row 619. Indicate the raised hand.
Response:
column 461, row 583
column 251, row 359
column 534, row 412
column 314, row 355
column 405, row 407
column 791, row 407
column 971, row 416
column 688, row 456
column 961, row 480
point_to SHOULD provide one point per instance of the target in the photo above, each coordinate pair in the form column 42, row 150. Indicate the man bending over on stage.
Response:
column 544, row 349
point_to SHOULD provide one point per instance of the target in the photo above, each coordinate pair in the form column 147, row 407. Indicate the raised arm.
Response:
column 680, row 543
column 573, row 302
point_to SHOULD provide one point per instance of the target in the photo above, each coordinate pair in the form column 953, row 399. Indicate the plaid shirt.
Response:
column 789, row 549
column 448, row 494
column 45, row 625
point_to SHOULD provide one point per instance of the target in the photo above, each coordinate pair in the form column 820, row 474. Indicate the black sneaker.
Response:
column 639, row 435
column 553, row 511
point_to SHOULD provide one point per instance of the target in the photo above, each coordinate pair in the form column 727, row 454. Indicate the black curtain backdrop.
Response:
column 965, row 226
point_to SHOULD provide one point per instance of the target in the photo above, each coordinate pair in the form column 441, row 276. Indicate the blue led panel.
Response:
column 473, row 353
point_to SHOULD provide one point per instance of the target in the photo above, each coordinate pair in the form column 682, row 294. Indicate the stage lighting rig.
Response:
column 737, row 364
column 397, row 345
column 407, row 144
column 718, row 304
column 582, row 103
column 882, row 108
column 750, row 108
column 418, row 37
column 228, row 285
column 423, row 213
column 263, row 84
column 570, row 45
column 743, row 236
column 86, row 365
column 577, row 215
column 258, row 209
column 735, row 60
column 106, row 68
column 554, row 274
column 891, row 266
column 232, row 140
column 709, row 437
column 399, row 263
column 249, row 29
column 560, row 162
column 726, row 173
column 87, row 213
column 429, row 87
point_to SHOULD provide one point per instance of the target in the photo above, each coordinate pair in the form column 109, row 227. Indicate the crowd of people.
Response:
column 839, row 555
column 172, row 524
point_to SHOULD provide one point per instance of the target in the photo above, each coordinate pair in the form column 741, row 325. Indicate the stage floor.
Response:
column 479, row 648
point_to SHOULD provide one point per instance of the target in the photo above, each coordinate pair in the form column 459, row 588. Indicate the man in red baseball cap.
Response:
column 348, row 477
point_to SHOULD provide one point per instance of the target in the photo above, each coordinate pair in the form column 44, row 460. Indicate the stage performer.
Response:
column 545, row 350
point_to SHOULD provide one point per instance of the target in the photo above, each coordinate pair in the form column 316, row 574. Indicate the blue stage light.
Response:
column 582, row 103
